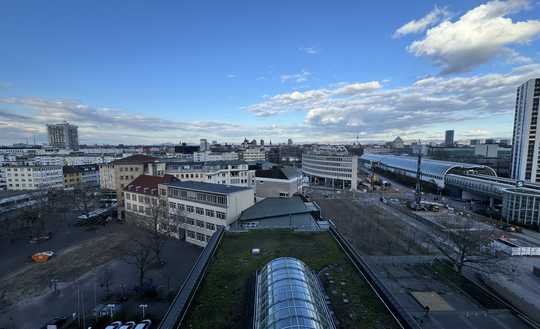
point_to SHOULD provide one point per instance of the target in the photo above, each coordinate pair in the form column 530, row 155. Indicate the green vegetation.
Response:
column 225, row 298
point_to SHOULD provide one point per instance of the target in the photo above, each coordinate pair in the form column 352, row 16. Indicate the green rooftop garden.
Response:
column 226, row 296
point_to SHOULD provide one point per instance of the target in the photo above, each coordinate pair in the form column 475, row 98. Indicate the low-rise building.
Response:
column 87, row 175
column 197, row 209
column 142, row 201
column 281, row 182
column 117, row 174
column 22, row 178
column 278, row 213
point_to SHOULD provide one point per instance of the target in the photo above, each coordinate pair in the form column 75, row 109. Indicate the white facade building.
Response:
column 199, row 209
column 526, row 139
column 235, row 173
column 21, row 178
column 211, row 156
column 331, row 166
column 254, row 154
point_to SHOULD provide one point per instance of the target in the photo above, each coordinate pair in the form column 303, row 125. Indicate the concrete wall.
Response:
column 271, row 188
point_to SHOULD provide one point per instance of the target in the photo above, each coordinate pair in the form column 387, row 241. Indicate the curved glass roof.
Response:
column 432, row 167
column 288, row 295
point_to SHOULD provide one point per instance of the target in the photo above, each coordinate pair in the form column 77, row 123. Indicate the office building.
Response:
column 449, row 138
column 254, row 154
column 331, row 166
column 25, row 178
column 199, row 209
column 525, row 141
column 235, row 172
column 63, row 136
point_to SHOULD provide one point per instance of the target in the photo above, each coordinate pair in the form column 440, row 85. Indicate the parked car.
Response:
column 42, row 257
column 114, row 325
column 128, row 325
column 144, row 324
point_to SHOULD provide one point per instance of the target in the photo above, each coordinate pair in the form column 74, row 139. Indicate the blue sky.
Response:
column 164, row 71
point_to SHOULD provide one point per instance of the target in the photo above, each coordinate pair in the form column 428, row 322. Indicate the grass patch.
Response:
column 225, row 298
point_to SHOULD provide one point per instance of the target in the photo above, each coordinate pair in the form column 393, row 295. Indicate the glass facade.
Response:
column 289, row 295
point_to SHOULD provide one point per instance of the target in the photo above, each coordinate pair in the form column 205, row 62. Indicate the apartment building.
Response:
column 117, row 174
column 63, row 135
column 254, row 154
column 198, row 209
column 218, row 172
column 23, row 178
column 141, row 201
column 87, row 175
column 282, row 182
column 214, row 156
column 526, row 137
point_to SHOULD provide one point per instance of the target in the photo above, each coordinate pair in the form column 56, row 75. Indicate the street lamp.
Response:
column 143, row 308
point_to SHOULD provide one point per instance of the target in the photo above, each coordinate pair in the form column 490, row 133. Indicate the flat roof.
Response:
column 276, row 207
column 207, row 187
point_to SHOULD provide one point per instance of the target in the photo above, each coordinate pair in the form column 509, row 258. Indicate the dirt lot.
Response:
column 78, row 268
column 372, row 227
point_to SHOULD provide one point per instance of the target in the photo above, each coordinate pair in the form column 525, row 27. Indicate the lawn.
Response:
column 225, row 298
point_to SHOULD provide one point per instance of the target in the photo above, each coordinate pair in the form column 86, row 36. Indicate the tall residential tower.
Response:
column 525, row 142
column 63, row 135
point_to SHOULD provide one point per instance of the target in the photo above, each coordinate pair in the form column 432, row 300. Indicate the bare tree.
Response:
column 84, row 198
column 468, row 245
column 159, row 226
column 139, row 254
column 106, row 280
column 36, row 214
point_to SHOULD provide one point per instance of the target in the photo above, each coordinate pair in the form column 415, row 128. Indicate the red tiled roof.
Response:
column 135, row 159
column 146, row 184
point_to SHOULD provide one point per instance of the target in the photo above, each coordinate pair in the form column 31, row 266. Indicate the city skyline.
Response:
column 331, row 75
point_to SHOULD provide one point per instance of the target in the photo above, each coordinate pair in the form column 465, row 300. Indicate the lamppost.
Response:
column 143, row 307
column 111, row 310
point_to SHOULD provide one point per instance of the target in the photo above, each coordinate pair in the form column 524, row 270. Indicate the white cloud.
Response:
column 415, row 26
column 24, row 117
column 303, row 76
column 231, row 76
column 476, row 37
column 358, row 87
column 310, row 50
column 409, row 110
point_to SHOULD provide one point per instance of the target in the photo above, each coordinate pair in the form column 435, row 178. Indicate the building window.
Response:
column 190, row 234
column 172, row 205
column 141, row 209
column 190, row 221
column 200, row 211
column 201, row 237
column 220, row 215
column 209, row 213
column 128, row 196
column 141, row 198
column 200, row 223
column 210, row 226
column 190, row 209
